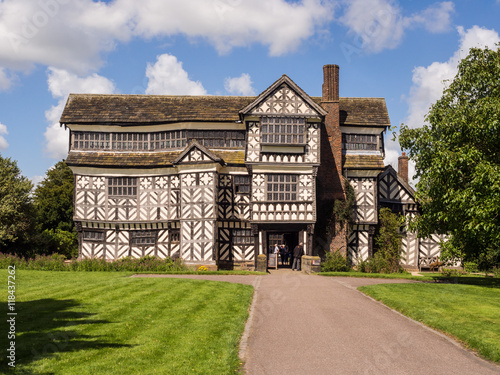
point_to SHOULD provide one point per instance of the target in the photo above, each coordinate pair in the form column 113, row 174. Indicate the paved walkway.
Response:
column 303, row 324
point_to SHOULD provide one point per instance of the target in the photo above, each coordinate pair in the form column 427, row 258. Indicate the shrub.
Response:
column 470, row 267
column 53, row 262
column 56, row 262
column 335, row 262
column 496, row 272
column 450, row 272
column 379, row 264
column 7, row 260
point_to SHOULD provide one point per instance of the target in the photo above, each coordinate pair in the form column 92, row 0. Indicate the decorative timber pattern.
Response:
column 409, row 250
column 228, row 249
column 429, row 250
column 116, row 243
column 391, row 190
column 284, row 100
column 253, row 142
column 366, row 208
column 303, row 209
column 198, row 214
column 358, row 245
column 157, row 200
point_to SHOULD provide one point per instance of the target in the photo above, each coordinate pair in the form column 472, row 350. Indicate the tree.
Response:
column 457, row 159
column 15, row 206
column 53, row 201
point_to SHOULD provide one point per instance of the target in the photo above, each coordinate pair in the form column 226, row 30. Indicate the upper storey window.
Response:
column 359, row 142
column 122, row 187
column 157, row 141
column 218, row 138
column 283, row 130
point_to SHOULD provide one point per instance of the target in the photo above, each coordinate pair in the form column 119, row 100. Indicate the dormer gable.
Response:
column 392, row 188
column 197, row 153
column 283, row 98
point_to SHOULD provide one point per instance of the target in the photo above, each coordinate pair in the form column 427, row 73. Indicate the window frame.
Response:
column 288, row 128
column 242, row 237
column 117, row 183
column 350, row 143
column 276, row 187
column 240, row 186
column 143, row 234
column 99, row 235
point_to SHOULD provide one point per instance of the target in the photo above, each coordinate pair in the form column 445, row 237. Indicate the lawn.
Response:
column 469, row 313
column 109, row 323
column 406, row 276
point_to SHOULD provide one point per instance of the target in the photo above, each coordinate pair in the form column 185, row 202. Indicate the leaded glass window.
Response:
column 283, row 130
column 122, row 186
column 281, row 187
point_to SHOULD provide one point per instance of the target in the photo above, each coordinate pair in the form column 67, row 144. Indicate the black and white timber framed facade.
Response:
column 217, row 180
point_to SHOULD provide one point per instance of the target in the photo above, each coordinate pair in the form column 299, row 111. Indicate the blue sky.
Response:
column 399, row 50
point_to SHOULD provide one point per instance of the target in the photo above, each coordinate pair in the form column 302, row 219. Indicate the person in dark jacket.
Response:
column 297, row 256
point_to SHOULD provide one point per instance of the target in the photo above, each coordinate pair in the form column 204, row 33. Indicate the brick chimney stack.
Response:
column 403, row 167
column 330, row 83
column 330, row 180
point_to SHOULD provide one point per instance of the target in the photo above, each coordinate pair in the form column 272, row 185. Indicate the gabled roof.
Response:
column 275, row 86
column 203, row 152
column 390, row 170
column 161, row 109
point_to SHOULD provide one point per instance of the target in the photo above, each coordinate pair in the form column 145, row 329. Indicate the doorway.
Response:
column 289, row 239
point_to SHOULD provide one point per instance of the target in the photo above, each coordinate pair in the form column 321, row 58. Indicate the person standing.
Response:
column 297, row 256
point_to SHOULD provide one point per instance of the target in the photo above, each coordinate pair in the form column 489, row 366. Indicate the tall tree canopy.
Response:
column 457, row 159
column 15, row 205
column 54, row 199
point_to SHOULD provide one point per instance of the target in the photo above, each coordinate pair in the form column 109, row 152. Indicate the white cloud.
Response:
column 167, row 77
column 3, row 142
column 429, row 82
column 5, row 80
column 61, row 83
column 380, row 24
column 241, row 85
column 435, row 19
column 73, row 34
column 278, row 24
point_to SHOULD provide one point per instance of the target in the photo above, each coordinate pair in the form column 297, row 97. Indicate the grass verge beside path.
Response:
column 405, row 276
column 469, row 313
column 109, row 323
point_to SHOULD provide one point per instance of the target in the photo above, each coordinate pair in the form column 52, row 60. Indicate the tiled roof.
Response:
column 123, row 160
column 141, row 159
column 156, row 109
column 362, row 111
column 150, row 109
column 363, row 162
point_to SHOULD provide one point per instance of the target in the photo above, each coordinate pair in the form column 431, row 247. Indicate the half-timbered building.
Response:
column 220, row 179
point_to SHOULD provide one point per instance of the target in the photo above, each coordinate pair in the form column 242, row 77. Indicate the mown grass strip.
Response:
column 109, row 323
column 469, row 313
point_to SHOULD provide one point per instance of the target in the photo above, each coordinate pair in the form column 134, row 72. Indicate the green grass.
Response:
column 405, row 276
column 469, row 313
column 109, row 323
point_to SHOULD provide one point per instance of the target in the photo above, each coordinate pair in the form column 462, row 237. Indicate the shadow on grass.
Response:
column 490, row 282
column 44, row 328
